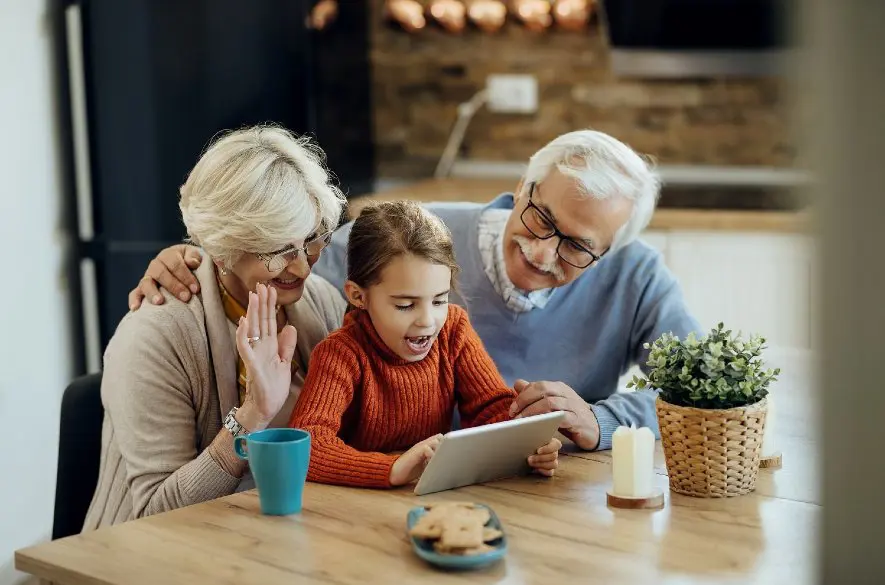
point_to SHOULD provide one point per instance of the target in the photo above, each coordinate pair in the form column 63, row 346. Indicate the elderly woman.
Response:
column 175, row 390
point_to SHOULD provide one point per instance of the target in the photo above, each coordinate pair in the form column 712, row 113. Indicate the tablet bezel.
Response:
column 487, row 453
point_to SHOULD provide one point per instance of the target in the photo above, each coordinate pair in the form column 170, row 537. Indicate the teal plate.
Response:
column 424, row 547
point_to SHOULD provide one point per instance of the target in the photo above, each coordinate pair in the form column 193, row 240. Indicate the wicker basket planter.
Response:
column 712, row 453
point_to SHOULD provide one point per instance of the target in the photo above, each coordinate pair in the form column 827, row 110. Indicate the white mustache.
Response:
column 526, row 245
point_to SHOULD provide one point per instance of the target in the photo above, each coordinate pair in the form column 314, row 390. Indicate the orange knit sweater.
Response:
column 360, row 401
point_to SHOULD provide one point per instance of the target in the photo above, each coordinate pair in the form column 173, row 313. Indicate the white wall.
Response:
column 35, row 351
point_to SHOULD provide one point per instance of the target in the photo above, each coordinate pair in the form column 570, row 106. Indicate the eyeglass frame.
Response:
column 268, row 258
column 562, row 237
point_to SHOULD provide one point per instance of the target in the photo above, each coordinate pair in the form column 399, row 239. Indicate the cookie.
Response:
column 455, row 509
column 461, row 531
column 443, row 550
column 456, row 528
column 431, row 506
column 481, row 549
column 427, row 529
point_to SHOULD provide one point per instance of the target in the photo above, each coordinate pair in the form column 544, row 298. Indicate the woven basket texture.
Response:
column 712, row 453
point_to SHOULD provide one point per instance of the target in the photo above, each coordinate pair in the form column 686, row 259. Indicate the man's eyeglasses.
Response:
column 276, row 261
column 542, row 227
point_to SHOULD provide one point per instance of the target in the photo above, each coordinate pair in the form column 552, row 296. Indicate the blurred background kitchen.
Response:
column 106, row 104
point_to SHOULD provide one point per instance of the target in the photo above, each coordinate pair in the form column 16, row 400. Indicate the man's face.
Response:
column 533, row 263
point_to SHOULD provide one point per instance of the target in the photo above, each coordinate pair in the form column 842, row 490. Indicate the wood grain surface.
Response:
column 560, row 530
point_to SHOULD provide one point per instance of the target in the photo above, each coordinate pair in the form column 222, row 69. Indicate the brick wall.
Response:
column 419, row 80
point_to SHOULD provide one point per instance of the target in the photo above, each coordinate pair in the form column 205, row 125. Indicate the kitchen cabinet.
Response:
column 754, row 282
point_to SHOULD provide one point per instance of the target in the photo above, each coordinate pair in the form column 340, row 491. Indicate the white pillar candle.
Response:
column 633, row 462
column 768, row 446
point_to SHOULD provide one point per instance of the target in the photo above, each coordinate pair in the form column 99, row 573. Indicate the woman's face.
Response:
column 285, row 270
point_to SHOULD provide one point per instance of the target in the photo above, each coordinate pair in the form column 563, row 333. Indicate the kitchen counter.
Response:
column 665, row 218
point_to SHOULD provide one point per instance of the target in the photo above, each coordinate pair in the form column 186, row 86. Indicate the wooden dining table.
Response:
column 559, row 530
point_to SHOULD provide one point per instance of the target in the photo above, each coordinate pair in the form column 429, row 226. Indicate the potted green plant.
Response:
column 711, row 408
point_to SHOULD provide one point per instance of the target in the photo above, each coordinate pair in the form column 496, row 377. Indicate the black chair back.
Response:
column 79, row 451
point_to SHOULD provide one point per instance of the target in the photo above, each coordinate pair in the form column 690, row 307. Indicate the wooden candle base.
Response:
column 653, row 502
column 773, row 461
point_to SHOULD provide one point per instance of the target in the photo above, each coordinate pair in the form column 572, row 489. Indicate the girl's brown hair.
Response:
column 386, row 230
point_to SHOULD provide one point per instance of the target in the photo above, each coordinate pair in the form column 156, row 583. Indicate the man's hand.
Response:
column 580, row 423
column 172, row 270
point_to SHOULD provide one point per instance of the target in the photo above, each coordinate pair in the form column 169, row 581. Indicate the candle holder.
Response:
column 633, row 470
column 652, row 502
column 773, row 461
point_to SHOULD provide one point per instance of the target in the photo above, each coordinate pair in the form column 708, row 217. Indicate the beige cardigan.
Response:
column 169, row 379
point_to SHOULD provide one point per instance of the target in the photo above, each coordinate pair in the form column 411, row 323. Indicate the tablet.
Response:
column 487, row 452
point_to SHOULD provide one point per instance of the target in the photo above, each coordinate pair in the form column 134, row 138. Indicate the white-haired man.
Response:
column 555, row 281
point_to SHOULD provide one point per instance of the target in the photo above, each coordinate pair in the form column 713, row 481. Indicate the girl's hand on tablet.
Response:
column 411, row 464
column 546, row 459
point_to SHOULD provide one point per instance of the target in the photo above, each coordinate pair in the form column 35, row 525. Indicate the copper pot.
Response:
column 323, row 14
column 487, row 15
column 450, row 14
column 573, row 15
column 534, row 14
column 408, row 13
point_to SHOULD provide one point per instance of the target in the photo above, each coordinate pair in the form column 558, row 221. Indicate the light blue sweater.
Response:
column 588, row 335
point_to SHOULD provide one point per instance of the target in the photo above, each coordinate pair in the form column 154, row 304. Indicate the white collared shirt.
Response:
column 491, row 250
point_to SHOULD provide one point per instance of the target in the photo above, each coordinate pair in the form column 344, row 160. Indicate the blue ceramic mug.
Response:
column 278, row 459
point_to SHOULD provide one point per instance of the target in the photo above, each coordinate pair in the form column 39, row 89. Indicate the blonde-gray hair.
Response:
column 256, row 190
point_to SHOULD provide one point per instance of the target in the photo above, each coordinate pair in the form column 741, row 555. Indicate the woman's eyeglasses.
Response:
column 276, row 261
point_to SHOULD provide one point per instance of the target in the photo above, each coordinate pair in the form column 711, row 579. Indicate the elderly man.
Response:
column 554, row 279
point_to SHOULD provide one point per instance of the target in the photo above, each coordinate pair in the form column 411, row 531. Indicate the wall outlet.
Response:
column 511, row 93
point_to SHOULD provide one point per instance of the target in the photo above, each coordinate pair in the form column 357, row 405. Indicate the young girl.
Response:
column 389, row 380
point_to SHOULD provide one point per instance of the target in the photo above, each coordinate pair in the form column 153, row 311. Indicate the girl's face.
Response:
column 408, row 306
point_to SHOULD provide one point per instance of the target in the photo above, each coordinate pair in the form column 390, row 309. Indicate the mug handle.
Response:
column 240, row 448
